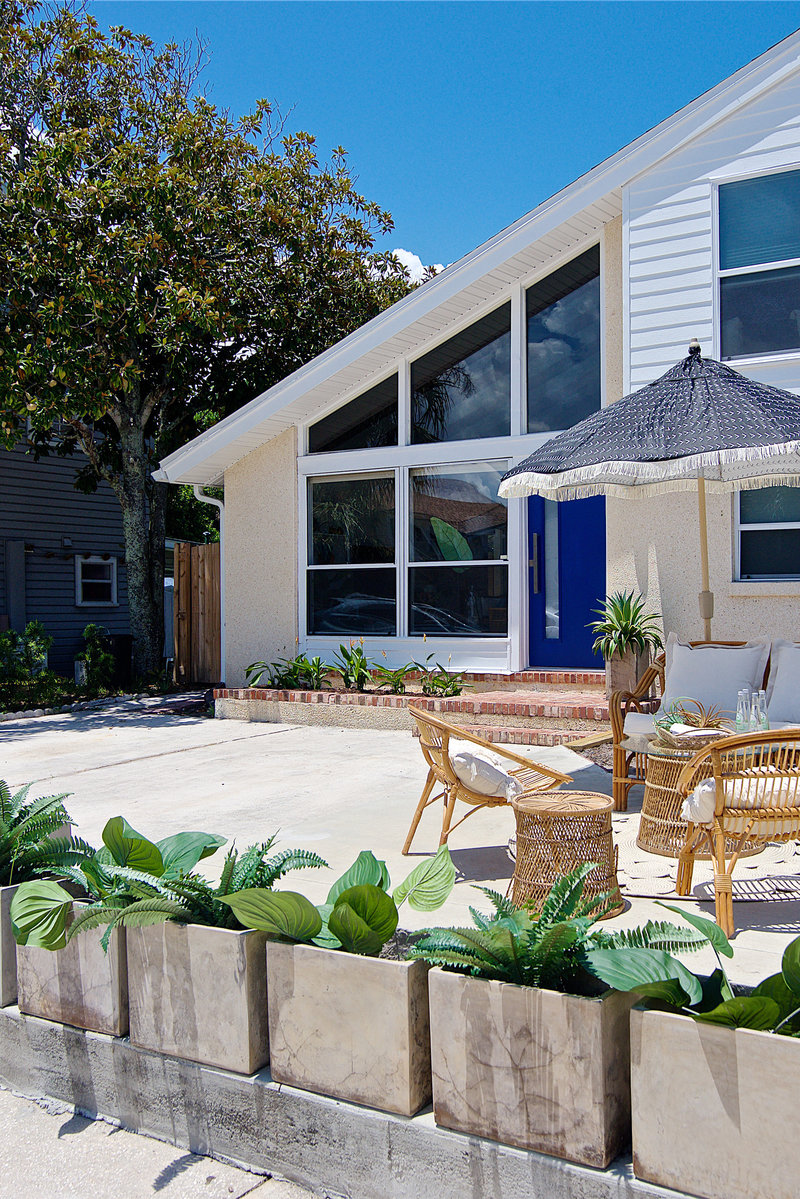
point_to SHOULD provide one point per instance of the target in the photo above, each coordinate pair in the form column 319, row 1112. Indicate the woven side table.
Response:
column 557, row 831
column 661, row 828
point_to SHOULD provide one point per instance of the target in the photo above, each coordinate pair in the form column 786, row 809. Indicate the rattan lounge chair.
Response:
column 434, row 739
column 757, row 798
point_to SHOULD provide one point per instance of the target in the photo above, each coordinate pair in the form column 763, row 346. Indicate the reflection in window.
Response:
column 769, row 533
column 352, row 602
column 368, row 421
column 462, row 389
column 563, row 313
column 458, row 601
column 760, row 312
column 351, row 521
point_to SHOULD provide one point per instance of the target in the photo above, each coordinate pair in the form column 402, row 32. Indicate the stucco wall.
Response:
column 260, row 556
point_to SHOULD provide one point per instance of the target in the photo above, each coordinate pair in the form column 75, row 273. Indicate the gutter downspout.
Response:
column 207, row 499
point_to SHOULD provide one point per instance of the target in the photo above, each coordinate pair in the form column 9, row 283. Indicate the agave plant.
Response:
column 360, row 915
column 132, row 882
column 551, row 949
column 29, row 845
column 624, row 625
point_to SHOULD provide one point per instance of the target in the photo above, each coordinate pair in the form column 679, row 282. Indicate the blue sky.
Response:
column 460, row 117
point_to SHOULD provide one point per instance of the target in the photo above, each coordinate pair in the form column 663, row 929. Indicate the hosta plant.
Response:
column 361, row 913
column 624, row 626
column 666, row 984
column 28, row 842
column 552, row 949
column 132, row 882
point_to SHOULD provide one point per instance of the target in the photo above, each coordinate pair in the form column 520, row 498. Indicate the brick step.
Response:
column 504, row 735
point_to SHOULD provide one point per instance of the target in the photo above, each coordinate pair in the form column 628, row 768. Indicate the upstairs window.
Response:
column 563, row 317
column 759, row 254
column 462, row 389
column 95, row 580
column 369, row 420
column 769, row 533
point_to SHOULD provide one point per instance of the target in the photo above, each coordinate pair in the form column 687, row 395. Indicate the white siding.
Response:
column 670, row 232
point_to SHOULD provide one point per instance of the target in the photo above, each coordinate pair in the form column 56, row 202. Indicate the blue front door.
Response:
column 567, row 580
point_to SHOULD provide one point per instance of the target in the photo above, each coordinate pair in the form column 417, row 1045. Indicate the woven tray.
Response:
column 690, row 741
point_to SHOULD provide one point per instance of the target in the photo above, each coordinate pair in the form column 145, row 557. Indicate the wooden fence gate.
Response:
column 196, row 614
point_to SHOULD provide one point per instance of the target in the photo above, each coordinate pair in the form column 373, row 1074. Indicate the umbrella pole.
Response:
column 706, row 597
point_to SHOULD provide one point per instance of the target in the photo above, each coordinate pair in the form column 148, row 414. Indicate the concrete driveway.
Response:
column 336, row 791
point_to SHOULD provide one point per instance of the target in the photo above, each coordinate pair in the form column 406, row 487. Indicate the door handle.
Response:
column 533, row 562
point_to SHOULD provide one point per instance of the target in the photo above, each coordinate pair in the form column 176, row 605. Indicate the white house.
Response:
column 361, row 492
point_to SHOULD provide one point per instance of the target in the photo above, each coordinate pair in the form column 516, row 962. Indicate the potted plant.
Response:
column 713, row 1073
column 191, row 980
column 344, row 1021
column 528, row 1046
column 626, row 636
column 34, row 840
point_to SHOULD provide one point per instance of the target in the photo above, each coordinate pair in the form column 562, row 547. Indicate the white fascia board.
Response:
column 764, row 72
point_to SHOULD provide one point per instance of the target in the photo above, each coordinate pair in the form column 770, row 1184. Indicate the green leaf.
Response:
column 649, row 972
column 707, row 927
column 355, row 934
column 716, row 990
column 365, row 869
column 744, row 1011
column 774, row 987
column 181, row 852
column 790, row 965
column 282, row 915
column 129, row 848
column 377, row 909
column 39, row 913
column 454, row 547
column 429, row 883
column 325, row 938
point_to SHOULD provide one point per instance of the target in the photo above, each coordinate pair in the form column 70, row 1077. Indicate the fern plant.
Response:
column 29, row 844
column 132, row 882
column 514, row 944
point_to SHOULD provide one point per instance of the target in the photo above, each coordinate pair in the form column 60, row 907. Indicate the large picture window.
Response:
column 563, row 336
column 458, row 568
column 351, row 575
column 759, row 254
column 462, row 389
column 769, row 533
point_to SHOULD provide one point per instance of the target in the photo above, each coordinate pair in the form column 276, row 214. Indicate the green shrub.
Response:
column 25, row 681
column 98, row 658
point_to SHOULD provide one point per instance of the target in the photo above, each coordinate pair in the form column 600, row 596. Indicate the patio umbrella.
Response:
column 702, row 424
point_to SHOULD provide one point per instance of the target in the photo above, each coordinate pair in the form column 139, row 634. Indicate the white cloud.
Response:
column 414, row 264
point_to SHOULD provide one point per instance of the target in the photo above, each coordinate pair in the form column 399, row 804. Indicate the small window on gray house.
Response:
column 563, row 314
column 95, row 580
column 462, row 389
column 759, row 227
column 369, row 420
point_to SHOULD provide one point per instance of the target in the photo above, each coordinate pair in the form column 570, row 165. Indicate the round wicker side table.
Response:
column 661, row 828
column 557, row 831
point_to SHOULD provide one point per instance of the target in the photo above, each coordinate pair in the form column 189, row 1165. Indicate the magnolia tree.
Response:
column 160, row 262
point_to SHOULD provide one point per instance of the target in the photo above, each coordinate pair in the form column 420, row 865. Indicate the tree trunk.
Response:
column 143, row 504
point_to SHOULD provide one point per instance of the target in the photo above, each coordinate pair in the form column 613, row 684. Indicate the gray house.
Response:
column 61, row 554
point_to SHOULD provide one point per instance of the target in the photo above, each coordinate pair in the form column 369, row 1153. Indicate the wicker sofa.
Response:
column 632, row 728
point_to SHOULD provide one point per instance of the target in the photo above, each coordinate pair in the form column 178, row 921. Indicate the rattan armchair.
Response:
column 629, row 765
column 757, row 798
column 434, row 739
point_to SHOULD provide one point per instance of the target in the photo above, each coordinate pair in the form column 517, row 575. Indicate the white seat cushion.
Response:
column 483, row 771
column 637, row 732
column 712, row 674
column 762, row 789
column 783, row 687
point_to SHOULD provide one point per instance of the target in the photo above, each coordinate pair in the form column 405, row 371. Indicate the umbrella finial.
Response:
column 694, row 348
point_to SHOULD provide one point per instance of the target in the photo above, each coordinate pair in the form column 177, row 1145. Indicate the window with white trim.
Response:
column 759, row 259
column 95, row 580
column 769, row 533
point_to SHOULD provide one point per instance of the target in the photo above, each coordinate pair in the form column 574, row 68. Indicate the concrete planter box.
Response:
column 8, row 949
column 79, row 984
column 531, row 1068
column 714, row 1108
column 199, row 993
column 352, row 1027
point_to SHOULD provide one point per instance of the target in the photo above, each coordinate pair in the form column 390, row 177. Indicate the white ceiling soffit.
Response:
column 563, row 221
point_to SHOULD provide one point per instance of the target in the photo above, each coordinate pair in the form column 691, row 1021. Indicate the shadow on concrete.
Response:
column 482, row 864
column 174, row 1170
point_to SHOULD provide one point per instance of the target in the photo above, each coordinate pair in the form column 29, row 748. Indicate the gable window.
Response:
column 759, row 254
column 462, row 389
column 563, row 336
column 95, row 580
column 367, row 421
column 769, row 533
column 351, row 577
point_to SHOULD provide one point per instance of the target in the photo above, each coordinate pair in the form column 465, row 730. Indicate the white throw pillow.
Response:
column 482, row 771
column 783, row 688
column 712, row 674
